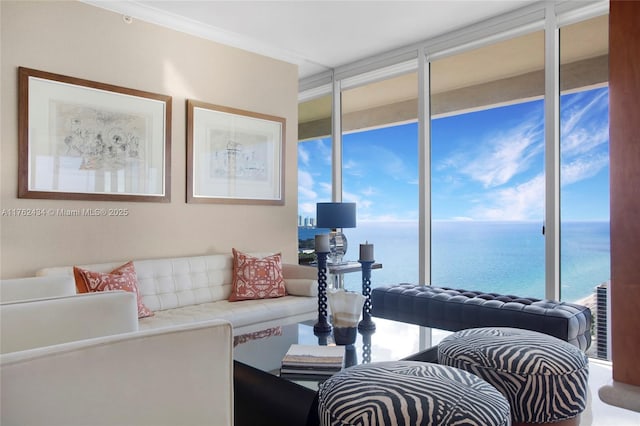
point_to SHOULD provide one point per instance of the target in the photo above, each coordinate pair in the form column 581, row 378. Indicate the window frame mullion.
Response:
column 552, row 154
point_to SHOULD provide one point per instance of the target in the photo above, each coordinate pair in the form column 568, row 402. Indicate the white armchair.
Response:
column 72, row 359
column 176, row 376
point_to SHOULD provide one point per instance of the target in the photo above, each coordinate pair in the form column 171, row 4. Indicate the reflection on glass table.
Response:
column 265, row 349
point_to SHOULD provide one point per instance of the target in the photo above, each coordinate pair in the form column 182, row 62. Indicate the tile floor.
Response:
column 599, row 413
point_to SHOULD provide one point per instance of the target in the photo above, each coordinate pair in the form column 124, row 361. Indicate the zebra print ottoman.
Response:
column 543, row 378
column 408, row 393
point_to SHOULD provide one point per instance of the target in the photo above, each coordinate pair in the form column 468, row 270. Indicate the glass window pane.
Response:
column 584, row 172
column 380, row 174
column 314, row 185
column 314, row 169
column 488, row 168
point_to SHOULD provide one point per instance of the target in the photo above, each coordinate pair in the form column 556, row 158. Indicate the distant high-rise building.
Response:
column 307, row 222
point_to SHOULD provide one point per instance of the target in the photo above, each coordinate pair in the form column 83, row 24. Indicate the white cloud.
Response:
column 502, row 158
column 385, row 218
column 525, row 201
column 303, row 155
column 325, row 187
column 305, row 186
column 307, row 209
column 393, row 165
column 350, row 197
column 383, row 160
column 462, row 219
column 573, row 116
column 350, row 165
column 369, row 191
column 582, row 168
column 305, row 178
column 306, row 193
column 324, row 151
column 521, row 202
column 353, row 168
column 585, row 135
column 363, row 204
column 495, row 162
column 582, row 140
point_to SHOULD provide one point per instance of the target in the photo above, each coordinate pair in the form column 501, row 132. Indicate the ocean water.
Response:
column 500, row 257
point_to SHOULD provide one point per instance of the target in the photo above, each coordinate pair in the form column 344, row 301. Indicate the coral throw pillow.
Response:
column 122, row 278
column 257, row 278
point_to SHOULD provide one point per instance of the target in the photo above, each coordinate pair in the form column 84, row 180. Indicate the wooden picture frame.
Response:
column 84, row 140
column 234, row 156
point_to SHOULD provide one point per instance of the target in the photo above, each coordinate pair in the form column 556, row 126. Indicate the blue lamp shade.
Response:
column 335, row 215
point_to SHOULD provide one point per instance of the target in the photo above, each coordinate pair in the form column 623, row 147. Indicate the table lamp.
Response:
column 336, row 216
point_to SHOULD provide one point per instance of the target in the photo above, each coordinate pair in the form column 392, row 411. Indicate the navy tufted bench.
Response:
column 455, row 309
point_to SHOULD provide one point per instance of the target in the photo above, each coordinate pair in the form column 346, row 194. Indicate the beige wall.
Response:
column 79, row 40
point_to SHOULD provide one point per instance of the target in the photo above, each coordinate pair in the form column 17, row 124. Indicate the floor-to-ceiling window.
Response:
column 584, row 172
column 380, row 174
column 487, row 168
column 379, row 169
column 314, row 169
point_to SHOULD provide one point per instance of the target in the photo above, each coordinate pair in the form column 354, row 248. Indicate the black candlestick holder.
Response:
column 322, row 326
column 366, row 345
column 366, row 323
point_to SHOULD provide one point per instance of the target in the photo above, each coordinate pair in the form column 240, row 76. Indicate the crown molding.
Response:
column 150, row 14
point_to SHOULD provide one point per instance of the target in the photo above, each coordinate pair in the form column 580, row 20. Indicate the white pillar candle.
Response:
column 366, row 252
column 322, row 243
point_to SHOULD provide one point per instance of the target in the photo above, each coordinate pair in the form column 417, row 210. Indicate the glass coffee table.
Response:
column 261, row 397
column 265, row 349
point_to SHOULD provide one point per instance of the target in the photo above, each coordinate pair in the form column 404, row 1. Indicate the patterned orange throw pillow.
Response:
column 122, row 278
column 256, row 278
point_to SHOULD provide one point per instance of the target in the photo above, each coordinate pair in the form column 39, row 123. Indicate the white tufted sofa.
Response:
column 183, row 290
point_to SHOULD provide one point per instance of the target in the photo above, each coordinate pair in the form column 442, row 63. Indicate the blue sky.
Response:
column 486, row 165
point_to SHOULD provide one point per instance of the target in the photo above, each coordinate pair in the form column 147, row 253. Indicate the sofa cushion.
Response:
column 122, row 278
column 16, row 289
column 301, row 287
column 248, row 316
column 44, row 322
column 257, row 277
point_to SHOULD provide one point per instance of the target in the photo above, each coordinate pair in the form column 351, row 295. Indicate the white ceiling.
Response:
column 315, row 35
